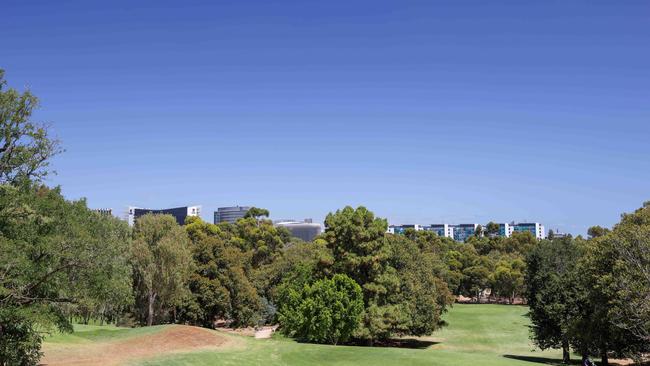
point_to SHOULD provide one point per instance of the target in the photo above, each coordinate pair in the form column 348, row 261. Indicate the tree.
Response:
column 596, row 232
column 328, row 311
column 25, row 147
column 508, row 277
column 553, row 294
column 492, row 228
column 256, row 213
column 161, row 263
column 54, row 255
column 402, row 293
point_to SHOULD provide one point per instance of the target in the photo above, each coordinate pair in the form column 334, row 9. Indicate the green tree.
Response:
column 256, row 213
column 553, row 293
column 402, row 293
column 25, row 146
column 596, row 232
column 507, row 279
column 492, row 228
column 54, row 255
column 161, row 262
column 327, row 311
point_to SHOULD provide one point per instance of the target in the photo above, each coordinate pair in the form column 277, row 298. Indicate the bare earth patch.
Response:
column 172, row 339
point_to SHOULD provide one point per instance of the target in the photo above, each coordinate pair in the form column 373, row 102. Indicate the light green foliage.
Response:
column 162, row 262
column 328, row 311
column 25, row 147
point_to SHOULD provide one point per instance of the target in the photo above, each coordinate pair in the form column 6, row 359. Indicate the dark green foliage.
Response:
column 327, row 311
column 553, row 293
column 402, row 295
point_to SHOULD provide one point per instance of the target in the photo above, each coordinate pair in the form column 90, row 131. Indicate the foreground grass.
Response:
column 477, row 335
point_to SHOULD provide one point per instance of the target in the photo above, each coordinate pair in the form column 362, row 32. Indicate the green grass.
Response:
column 482, row 335
column 96, row 333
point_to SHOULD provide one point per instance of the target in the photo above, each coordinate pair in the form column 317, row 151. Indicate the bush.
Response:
column 328, row 311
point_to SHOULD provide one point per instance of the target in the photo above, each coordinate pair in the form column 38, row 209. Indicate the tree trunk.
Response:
column 604, row 360
column 152, row 299
column 566, row 355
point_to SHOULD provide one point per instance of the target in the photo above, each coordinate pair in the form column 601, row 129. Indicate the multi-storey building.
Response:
column 534, row 228
column 230, row 214
column 464, row 231
column 444, row 230
column 179, row 213
column 461, row 232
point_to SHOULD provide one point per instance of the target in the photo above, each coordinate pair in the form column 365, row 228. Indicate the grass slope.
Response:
column 477, row 335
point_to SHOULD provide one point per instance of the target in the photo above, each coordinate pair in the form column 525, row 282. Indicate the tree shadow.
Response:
column 412, row 343
column 540, row 360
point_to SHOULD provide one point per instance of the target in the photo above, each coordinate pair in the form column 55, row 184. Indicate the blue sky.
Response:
column 423, row 111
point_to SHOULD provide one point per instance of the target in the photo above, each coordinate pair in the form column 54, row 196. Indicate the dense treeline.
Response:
column 594, row 295
column 61, row 262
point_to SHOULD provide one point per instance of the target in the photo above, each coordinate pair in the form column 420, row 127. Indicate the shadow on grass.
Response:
column 412, row 343
column 540, row 360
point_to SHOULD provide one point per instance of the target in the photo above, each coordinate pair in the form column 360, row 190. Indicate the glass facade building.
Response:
column 230, row 214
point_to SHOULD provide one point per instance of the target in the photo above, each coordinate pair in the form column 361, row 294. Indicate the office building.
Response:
column 305, row 230
column 179, row 213
column 230, row 214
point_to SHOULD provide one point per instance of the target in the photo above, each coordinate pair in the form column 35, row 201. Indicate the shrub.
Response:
column 328, row 311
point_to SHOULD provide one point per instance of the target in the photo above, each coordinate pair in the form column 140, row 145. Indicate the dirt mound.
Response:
column 171, row 339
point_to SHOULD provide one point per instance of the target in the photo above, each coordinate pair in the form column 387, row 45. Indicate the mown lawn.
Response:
column 482, row 335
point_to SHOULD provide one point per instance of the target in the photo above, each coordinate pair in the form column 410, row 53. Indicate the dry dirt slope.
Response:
column 169, row 339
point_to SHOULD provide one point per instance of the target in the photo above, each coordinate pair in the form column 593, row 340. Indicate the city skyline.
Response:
column 421, row 112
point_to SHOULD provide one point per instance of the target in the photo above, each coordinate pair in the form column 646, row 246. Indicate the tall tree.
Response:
column 161, row 262
column 553, row 294
column 25, row 146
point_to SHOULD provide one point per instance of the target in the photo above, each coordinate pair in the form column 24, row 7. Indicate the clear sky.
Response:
column 423, row 111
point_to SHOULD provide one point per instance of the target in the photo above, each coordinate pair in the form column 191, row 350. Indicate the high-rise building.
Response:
column 179, row 213
column 230, row 214
column 305, row 230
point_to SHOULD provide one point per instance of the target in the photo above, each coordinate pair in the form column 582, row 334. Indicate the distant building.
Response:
column 534, row 228
column 179, row 213
column 400, row 229
column 305, row 230
column 230, row 214
column 443, row 230
column 104, row 211
column 461, row 232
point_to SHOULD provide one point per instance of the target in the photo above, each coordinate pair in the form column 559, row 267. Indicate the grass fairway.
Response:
column 477, row 335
